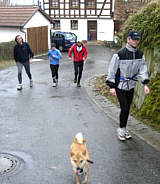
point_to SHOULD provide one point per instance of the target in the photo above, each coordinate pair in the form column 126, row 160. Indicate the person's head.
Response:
column 79, row 43
column 133, row 38
column 18, row 39
column 53, row 46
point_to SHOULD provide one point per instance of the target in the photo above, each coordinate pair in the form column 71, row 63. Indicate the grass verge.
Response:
column 148, row 113
column 5, row 64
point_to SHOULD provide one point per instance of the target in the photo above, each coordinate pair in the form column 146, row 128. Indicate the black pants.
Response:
column 54, row 71
column 125, row 99
column 78, row 68
column 27, row 68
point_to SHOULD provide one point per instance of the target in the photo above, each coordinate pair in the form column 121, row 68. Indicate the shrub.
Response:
column 6, row 50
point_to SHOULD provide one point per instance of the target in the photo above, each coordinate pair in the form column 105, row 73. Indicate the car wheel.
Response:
column 61, row 48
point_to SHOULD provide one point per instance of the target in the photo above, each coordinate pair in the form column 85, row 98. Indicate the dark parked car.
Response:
column 63, row 40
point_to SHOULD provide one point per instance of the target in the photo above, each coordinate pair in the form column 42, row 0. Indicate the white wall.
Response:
column 39, row 20
column 105, row 29
column 8, row 34
column 82, row 28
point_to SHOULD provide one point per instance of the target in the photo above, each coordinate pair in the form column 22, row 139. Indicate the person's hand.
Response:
column 70, row 58
column 83, row 58
column 30, row 61
column 53, row 55
column 50, row 58
column 113, row 91
column 146, row 89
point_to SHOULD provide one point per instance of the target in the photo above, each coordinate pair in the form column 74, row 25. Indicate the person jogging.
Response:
column 54, row 55
column 23, row 56
column 80, row 54
column 125, row 66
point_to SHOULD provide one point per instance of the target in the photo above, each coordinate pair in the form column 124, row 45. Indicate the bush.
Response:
column 147, row 23
column 6, row 50
column 151, row 108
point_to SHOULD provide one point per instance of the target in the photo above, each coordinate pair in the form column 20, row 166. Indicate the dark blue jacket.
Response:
column 22, row 53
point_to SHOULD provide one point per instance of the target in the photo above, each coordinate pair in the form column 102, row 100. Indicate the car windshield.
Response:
column 70, row 36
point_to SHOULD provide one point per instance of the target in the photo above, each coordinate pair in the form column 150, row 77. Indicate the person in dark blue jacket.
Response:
column 54, row 55
column 23, row 56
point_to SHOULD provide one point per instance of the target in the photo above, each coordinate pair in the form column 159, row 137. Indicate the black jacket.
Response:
column 22, row 53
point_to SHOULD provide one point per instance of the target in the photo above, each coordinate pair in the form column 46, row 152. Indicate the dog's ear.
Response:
column 84, row 153
column 84, row 140
column 72, row 154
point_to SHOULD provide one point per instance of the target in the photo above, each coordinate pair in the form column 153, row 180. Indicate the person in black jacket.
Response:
column 23, row 56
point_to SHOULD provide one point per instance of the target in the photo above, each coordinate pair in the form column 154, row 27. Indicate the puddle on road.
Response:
column 57, row 96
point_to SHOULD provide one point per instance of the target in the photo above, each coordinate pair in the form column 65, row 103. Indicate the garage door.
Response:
column 38, row 39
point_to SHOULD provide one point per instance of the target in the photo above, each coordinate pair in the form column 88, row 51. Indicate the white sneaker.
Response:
column 121, row 134
column 127, row 134
column 19, row 87
column 54, row 84
column 31, row 83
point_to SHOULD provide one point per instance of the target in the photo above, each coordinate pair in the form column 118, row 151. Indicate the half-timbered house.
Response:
column 88, row 19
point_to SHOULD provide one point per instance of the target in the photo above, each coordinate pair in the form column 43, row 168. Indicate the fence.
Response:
column 6, row 50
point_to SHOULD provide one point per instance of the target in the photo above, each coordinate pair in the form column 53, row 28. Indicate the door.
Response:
column 38, row 39
column 92, row 30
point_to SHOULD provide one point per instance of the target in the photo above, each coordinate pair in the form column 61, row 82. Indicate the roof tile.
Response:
column 16, row 16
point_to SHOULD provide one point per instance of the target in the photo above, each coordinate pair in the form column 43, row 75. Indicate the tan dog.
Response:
column 79, row 157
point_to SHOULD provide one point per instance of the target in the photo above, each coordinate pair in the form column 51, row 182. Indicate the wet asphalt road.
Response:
column 39, row 124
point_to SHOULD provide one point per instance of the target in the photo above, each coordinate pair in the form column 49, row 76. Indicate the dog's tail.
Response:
column 79, row 138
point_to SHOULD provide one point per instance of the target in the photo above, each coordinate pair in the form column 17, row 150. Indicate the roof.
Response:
column 18, row 16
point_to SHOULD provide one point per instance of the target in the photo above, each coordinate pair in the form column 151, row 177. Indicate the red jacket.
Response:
column 78, row 56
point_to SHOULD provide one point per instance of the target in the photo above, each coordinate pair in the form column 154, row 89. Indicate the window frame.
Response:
column 91, row 7
column 74, row 7
column 57, row 28
column 71, row 22
column 54, row 7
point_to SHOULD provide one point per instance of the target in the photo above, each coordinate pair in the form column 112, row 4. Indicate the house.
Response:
column 88, row 19
column 32, row 23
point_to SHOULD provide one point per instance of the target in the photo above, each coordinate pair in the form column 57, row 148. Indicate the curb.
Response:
column 146, row 133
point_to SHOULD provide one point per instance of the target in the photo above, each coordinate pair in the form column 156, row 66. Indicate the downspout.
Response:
column 22, row 30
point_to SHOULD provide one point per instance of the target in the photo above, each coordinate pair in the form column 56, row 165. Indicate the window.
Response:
column 55, row 3
column 57, row 35
column 91, row 3
column 74, row 24
column 56, row 24
column 74, row 3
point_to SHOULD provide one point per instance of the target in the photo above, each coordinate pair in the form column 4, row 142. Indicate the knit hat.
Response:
column 53, row 45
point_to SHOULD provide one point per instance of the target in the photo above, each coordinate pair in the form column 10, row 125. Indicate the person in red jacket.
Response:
column 80, row 54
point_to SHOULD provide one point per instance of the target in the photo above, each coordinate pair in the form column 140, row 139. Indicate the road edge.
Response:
column 146, row 133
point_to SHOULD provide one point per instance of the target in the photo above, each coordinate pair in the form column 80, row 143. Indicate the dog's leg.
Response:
column 77, row 179
column 86, row 176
